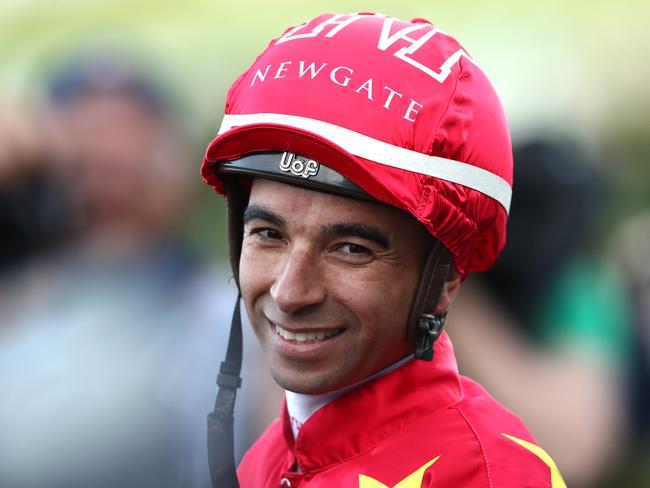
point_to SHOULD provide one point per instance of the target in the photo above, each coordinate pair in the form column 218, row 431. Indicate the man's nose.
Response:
column 299, row 283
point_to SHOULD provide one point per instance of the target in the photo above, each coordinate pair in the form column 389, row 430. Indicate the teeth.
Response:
column 306, row 336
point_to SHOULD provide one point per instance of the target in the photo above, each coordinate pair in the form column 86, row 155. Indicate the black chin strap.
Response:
column 428, row 324
column 221, row 450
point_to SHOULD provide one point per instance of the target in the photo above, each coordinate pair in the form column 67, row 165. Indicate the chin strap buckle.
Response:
column 228, row 376
column 429, row 329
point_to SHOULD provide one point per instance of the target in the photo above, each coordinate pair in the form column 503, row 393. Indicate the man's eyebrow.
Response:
column 255, row 212
column 368, row 232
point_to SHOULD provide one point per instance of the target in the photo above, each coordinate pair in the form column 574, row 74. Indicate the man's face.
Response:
column 328, row 283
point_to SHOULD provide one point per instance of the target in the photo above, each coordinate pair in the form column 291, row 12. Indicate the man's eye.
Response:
column 265, row 233
column 351, row 248
column 352, row 253
column 355, row 251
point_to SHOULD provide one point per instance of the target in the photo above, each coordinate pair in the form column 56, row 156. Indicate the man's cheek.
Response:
column 250, row 271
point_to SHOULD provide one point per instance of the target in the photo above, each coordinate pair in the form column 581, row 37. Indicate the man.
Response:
column 108, row 292
column 367, row 165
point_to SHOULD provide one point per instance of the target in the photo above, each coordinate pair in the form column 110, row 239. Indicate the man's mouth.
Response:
column 310, row 336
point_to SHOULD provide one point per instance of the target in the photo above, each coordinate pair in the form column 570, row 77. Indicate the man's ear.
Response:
column 449, row 292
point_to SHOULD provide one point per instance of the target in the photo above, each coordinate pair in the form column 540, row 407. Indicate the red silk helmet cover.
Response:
column 400, row 108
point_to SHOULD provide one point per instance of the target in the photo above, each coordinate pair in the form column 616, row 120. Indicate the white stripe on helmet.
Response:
column 381, row 152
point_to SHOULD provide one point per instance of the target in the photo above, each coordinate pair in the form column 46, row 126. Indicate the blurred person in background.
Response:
column 632, row 253
column 555, row 313
column 111, row 337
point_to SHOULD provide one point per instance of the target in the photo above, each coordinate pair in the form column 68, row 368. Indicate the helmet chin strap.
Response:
column 428, row 324
column 221, row 442
column 221, row 451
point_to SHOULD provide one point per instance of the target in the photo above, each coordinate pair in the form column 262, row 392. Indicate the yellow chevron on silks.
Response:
column 556, row 477
column 413, row 480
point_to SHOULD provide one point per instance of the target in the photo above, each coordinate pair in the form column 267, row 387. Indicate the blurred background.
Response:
column 115, row 298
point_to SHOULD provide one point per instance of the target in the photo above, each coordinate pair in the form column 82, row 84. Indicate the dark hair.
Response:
column 558, row 200
column 99, row 72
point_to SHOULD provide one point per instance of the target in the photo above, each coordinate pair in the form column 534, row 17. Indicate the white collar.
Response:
column 300, row 406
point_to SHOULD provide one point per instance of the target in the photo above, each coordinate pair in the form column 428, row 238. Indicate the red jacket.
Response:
column 422, row 425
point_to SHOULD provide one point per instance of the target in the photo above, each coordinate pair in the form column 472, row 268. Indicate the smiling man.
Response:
column 355, row 210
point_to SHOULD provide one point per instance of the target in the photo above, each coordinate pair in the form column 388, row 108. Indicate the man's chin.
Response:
column 305, row 384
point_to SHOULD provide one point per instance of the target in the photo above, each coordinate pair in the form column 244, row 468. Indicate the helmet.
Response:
column 399, row 108
column 372, row 107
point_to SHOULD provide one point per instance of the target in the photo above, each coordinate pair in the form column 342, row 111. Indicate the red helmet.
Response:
column 399, row 108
